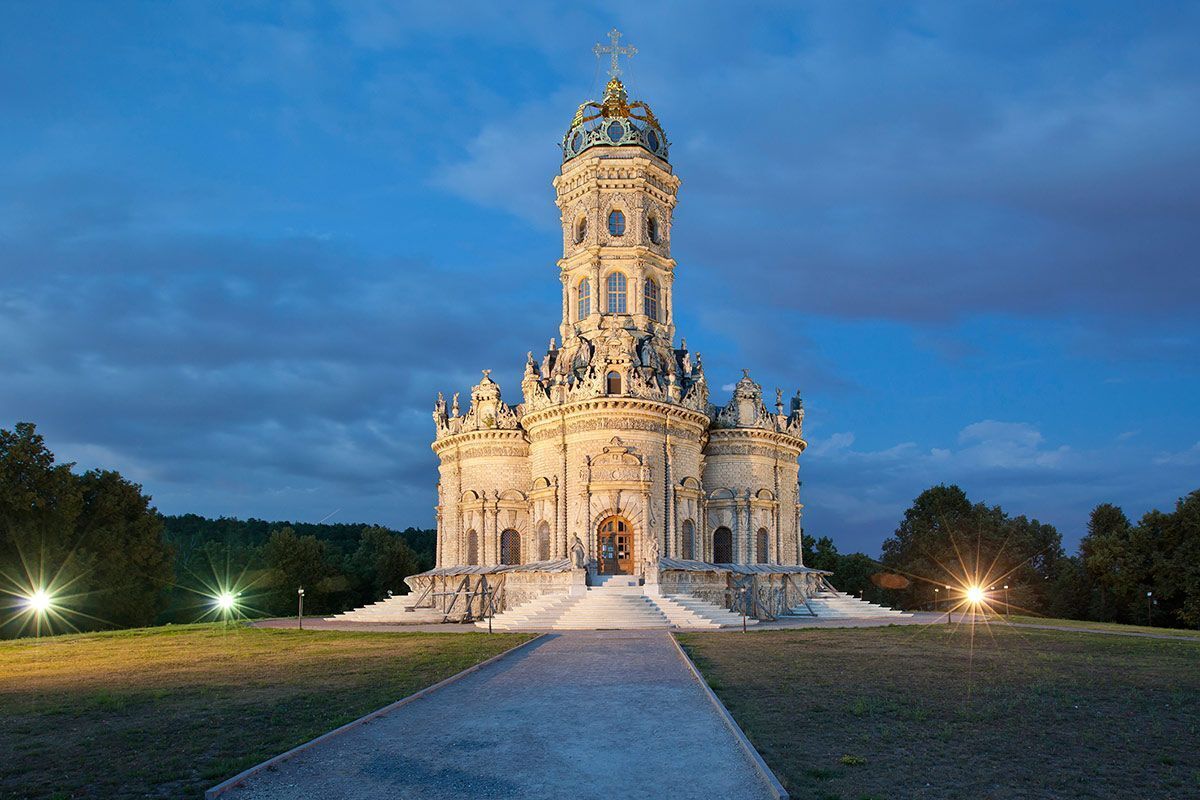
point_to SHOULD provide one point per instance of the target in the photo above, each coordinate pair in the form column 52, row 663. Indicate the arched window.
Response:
column 722, row 546
column 760, row 547
column 472, row 548
column 510, row 547
column 650, row 299
column 585, row 299
column 543, row 542
column 616, row 223
column 687, row 548
column 580, row 230
column 616, row 293
column 652, row 228
column 614, row 383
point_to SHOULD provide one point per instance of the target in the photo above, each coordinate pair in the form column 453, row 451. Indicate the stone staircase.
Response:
column 614, row 602
column 393, row 610
column 839, row 605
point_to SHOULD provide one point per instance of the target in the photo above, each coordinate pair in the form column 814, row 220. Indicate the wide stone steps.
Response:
column 392, row 610
column 839, row 605
column 619, row 605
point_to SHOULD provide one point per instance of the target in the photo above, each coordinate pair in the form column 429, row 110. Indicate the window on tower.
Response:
column 616, row 223
column 580, row 230
column 614, row 383
column 616, row 293
column 650, row 299
column 585, row 299
column 652, row 228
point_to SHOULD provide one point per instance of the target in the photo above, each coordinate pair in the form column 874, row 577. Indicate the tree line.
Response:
column 1127, row 572
column 107, row 559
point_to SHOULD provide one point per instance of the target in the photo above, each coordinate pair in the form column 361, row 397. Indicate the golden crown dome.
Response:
column 614, row 121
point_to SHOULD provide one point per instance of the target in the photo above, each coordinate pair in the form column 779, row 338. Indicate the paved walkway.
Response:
column 582, row 715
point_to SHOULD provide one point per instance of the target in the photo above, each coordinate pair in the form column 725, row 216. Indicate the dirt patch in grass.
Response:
column 938, row 712
column 168, row 712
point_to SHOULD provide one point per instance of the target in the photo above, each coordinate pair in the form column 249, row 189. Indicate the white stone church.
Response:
column 615, row 473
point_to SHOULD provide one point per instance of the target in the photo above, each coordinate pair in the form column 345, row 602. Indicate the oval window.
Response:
column 577, row 141
column 616, row 223
column 652, row 140
column 616, row 131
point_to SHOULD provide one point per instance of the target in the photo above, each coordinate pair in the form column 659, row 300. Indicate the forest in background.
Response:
column 95, row 543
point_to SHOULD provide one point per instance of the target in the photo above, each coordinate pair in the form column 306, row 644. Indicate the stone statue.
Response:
column 454, row 406
column 578, row 556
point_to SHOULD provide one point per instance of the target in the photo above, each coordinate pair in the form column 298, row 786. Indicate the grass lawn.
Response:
column 931, row 712
column 168, row 712
column 1104, row 626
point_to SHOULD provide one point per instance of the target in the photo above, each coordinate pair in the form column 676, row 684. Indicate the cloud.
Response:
column 859, row 495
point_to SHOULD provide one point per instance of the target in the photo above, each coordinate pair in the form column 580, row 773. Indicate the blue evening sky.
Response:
column 243, row 245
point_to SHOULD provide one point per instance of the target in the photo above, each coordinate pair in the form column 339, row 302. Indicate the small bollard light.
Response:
column 300, row 608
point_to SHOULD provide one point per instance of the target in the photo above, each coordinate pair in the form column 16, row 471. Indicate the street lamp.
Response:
column 949, row 607
column 936, row 591
column 1007, row 610
column 743, row 591
column 40, row 603
column 300, row 608
column 1149, row 621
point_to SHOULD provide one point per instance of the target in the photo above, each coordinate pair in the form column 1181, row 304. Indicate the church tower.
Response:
column 616, row 194
column 614, row 461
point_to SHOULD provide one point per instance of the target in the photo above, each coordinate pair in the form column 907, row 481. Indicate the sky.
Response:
column 243, row 246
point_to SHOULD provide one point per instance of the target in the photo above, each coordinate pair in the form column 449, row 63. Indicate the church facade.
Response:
column 616, row 458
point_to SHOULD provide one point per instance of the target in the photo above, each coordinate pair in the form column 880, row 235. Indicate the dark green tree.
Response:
column 39, row 504
column 382, row 561
column 130, row 566
column 1174, row 539
column 1116, row 560
column 293, row 562
column 944, row 539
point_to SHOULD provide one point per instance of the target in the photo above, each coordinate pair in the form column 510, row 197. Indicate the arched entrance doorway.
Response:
column 614, row 547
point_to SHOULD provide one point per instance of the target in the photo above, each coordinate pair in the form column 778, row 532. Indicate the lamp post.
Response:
column 300, row 608
column 39, row 602
column 743, row 591
column 936, row 592
column 1007, row 610
column 1149, row 621
column 949, row 607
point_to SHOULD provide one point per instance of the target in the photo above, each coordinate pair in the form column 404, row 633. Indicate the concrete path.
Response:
column 582, row 715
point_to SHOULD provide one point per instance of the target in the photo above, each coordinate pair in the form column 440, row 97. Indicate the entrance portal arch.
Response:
column 614, row 546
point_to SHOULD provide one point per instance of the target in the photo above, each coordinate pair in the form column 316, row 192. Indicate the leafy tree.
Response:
column 945, row 539
column 39, row 503
column 1174, row 540
column 820, row 553
column 1116, row 559
column 92, row 539
column 299, row 561
column 130, row 565
column 382, row 561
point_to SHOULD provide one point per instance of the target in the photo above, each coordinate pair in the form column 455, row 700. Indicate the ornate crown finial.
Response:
column 614, row 51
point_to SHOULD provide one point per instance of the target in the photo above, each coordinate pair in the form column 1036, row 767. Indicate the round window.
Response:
column 616, row 223
column 652, row 140
column 577, row 141
column 616, row 131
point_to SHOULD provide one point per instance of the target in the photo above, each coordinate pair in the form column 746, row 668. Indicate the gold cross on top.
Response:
column 614, row 50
